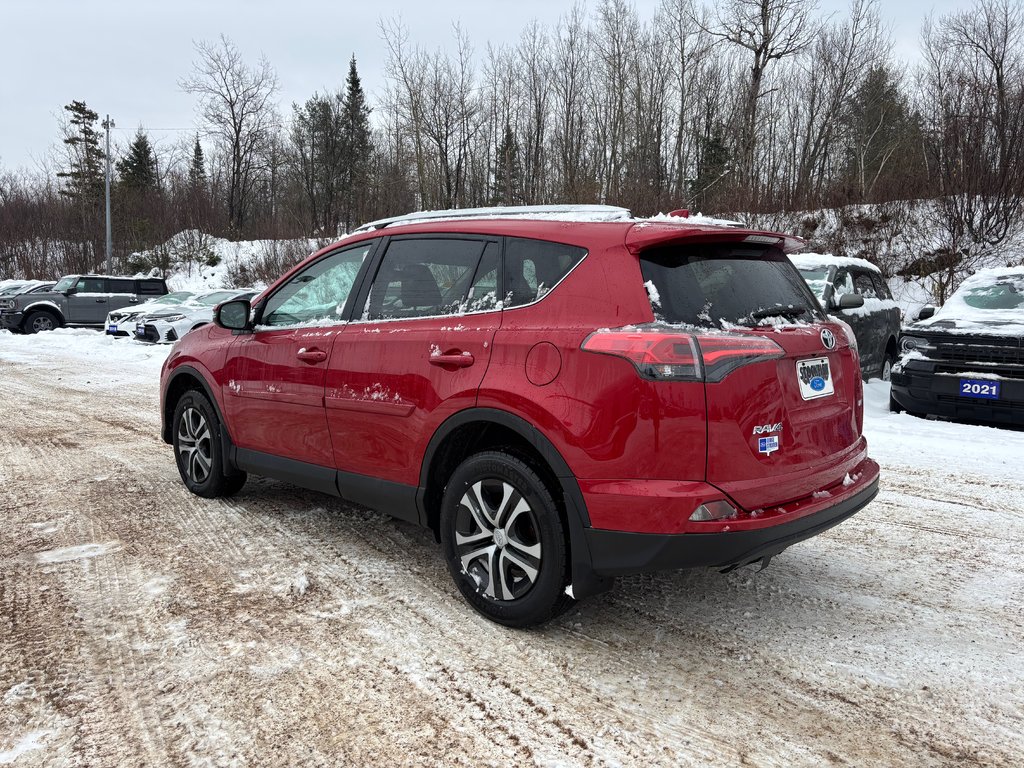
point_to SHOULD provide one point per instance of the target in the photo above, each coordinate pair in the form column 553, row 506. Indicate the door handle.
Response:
column 101, row 301
column 459, row 360
column 311, row 355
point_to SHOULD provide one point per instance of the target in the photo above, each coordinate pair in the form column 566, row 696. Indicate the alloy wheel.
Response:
column 195, row 446
column 42, row 323
column 497, row 540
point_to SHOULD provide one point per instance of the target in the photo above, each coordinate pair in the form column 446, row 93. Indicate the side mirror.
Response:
column 926, row 311
column 848, row 301
column 233, row 315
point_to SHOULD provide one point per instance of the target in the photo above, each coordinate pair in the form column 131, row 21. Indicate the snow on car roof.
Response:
column 991, row 301
column 810, row 260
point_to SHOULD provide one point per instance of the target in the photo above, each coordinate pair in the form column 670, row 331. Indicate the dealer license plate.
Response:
column 111, row 329
column 979, row 388
column 815, row 378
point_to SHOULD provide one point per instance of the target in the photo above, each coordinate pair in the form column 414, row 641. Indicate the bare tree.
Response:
column 769, row 31
column 972, row 91
column 238, row 112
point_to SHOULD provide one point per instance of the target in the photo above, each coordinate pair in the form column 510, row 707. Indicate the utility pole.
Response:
column 108, row 124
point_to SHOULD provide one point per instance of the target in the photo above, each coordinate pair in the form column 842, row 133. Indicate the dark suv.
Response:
column 966, row 361
column 82, row 300
column 561, row 401
column 856, row 291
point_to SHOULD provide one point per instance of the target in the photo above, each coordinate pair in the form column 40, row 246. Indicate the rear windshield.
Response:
column 718, row 286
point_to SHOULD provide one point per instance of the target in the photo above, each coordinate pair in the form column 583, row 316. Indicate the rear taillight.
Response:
column 667, row 355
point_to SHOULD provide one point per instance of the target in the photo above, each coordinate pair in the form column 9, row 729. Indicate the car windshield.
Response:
column 816, row 279
column 173, row 298
column 212, row 299
column 65, row 283
column 721, row 285
column 999, row 293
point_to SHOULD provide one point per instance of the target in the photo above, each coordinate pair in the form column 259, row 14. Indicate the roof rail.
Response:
column 569, row 212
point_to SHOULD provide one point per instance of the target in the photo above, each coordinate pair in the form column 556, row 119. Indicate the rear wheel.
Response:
column 504, row 540
column 39, row 321
column 198, row 451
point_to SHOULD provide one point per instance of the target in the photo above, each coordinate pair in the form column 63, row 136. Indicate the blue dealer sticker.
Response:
column 817, row 384
column 767, row 445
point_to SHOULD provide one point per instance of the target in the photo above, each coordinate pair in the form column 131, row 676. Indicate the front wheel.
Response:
column 504, row 540
column 37, row 322
column 198, row 451
column 888, row 362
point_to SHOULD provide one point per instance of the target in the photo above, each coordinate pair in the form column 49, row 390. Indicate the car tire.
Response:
column 499, row 518
column 888, row 361
column 198, row 451
column 36, row 322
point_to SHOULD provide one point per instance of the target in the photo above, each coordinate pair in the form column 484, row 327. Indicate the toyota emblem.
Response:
column 828, row 339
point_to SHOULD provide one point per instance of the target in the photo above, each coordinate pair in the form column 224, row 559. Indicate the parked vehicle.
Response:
column 18, row 287
column 856, row 291
column 168, row 324
column 78, row 300
column 966, row 360
column 563, row 394
column 121, row 322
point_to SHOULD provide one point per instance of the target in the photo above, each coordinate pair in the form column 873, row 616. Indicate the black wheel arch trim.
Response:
column 584, row 581
column 44, row 307
column 227, row 445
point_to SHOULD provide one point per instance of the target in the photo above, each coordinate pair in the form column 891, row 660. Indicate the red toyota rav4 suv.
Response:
column 561, row 401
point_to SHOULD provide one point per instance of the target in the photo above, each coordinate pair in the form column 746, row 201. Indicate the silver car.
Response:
column 170, row 324
column 121, row 322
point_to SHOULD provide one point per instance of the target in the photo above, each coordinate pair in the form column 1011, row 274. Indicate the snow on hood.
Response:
column 991, row 301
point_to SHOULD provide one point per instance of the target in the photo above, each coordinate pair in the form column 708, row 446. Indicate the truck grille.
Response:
column 978, row 349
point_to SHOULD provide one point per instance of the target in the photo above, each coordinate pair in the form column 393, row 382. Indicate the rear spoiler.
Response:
column 649, row 234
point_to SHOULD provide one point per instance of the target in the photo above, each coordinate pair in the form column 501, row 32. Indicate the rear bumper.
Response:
column 618, row 553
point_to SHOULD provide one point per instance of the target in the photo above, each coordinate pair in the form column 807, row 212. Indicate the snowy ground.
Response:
column 140, row 625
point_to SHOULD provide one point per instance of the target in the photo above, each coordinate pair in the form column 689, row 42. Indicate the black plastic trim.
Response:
column 617, row 553
column 394, row 499
column 312, row 476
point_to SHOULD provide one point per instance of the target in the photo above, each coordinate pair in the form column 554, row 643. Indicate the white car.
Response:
column 19, row 287
column 171, row 323
column 121, row 322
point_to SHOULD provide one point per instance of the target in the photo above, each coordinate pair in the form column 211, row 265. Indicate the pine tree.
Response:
column 197, row 168
column 137, row 170
column 508, row 171
column 356, row 145
column 85, row 175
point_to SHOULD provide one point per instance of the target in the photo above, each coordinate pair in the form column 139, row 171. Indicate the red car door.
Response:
column 276, row 400
column 416, row 357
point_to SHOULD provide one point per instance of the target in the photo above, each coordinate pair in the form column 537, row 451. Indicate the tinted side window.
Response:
column 318, row 294
column 864, row 286
column 843, row 283
column 92, row 285
column 881, row 289
column 122, row 286
column 423, row 278
column 151, row 288
column 483, row 293
column 534, row 267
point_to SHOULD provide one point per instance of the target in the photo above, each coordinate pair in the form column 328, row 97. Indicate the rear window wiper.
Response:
column 778, row 311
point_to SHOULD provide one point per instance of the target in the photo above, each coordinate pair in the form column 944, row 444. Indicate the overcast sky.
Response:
column 125, row 57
